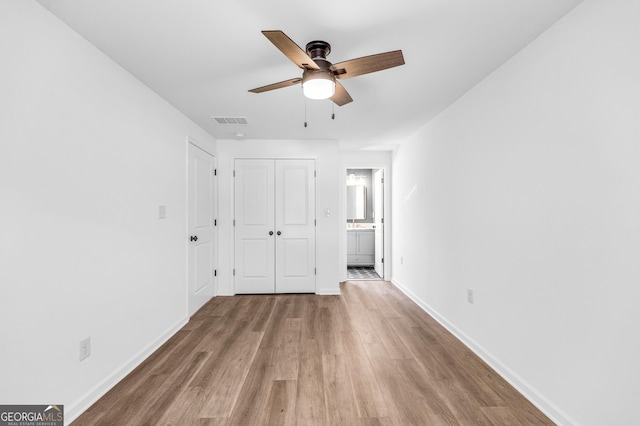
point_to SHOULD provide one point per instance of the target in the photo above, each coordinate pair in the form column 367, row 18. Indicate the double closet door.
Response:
column 275, row 235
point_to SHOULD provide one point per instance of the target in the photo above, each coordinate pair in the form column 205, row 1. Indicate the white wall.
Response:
column 527, row 191
column 328, row 187
column 87, row 154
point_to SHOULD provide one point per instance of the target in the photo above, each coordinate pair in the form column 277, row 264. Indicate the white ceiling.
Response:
column 204, row 55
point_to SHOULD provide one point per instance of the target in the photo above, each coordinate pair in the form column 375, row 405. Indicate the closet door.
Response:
column 295, row 226
column 275, row 244
column 254, row 226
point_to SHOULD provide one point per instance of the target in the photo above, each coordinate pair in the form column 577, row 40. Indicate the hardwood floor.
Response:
column 367, row 357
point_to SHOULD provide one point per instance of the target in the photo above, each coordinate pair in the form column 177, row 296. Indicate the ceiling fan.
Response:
column 319, row 76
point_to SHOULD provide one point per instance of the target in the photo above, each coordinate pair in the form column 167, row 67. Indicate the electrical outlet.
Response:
column 85, row 348
column 470, row 295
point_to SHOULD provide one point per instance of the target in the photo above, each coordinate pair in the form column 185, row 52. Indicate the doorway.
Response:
column 365, row 224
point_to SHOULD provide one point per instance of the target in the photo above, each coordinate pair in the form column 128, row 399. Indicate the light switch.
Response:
column 162, row 212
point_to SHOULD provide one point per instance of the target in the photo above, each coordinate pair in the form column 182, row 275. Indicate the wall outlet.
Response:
column 85, row 348
column 470, row 295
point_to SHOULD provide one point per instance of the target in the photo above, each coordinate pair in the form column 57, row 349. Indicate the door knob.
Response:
column 194, row 238
column 279, row 233
column 270, row 232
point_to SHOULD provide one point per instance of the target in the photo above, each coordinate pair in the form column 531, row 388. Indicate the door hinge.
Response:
column 314, row 174
column 215, row 172
column 234, row 173
column 315, row 222
column 215, row 272
column 215, row 222
column 382, row 180
column 315, row 271
column 234, row 222
column 382, row 260
column 234, row 272
column 382, row 220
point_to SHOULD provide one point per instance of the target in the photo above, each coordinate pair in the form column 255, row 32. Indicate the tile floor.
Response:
column 362, row 273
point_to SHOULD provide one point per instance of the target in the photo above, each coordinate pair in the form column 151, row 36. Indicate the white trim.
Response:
column 208, row 149
column 77, row 408
column 328, row 291
column 528, row 391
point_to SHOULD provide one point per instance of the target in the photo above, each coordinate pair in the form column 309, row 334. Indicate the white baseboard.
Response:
column 529, row 392
column 334, row 291
column 320, row 292
column 74, row 410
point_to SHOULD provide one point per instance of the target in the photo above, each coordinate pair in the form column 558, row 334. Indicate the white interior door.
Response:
column 378, row 214
column 295, row 226
column 254, row 226
column 274, row 226
column 201, row 222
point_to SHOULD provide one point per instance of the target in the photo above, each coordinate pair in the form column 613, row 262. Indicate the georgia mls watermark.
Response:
column 31, row 415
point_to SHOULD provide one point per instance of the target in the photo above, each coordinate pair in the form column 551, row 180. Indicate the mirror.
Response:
column 356, row 202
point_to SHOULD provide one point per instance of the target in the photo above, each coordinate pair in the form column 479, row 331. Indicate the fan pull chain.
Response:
column 305, row 112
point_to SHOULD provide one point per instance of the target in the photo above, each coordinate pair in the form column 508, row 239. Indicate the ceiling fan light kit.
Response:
column 318, row 84
column 319, row 76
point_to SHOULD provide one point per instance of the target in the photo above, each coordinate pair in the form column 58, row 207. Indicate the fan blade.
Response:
column 274, row 86
column 290, row 49
column 341, row 96
column 367, row 64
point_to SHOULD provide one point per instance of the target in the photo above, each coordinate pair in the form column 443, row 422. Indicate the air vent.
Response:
column 231, row 120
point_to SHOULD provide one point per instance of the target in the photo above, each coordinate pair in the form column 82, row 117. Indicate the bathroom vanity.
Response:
column 360, row 247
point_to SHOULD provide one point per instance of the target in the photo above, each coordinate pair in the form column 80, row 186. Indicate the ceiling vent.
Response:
column 231, row 120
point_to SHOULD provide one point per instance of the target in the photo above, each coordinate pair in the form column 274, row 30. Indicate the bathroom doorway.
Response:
column 365, row 224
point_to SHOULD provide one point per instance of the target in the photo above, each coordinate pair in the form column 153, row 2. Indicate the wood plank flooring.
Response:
column 367, row 357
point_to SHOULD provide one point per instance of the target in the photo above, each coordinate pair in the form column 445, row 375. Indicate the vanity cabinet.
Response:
column 360, row 247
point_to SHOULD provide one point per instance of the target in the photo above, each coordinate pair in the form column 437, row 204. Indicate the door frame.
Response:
column 386, row 188
column 378, row 190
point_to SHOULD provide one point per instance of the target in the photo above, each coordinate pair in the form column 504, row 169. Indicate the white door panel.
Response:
column 275, row 226
column 201, row 223
column 257, row 250
column 296, row 251
column 256, row 184
column 203, row 214
column 295, row 225
column 204, row 256
column 254, row 227
column 294, row 182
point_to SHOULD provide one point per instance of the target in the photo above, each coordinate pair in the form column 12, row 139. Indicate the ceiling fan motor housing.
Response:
column 318, row 49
